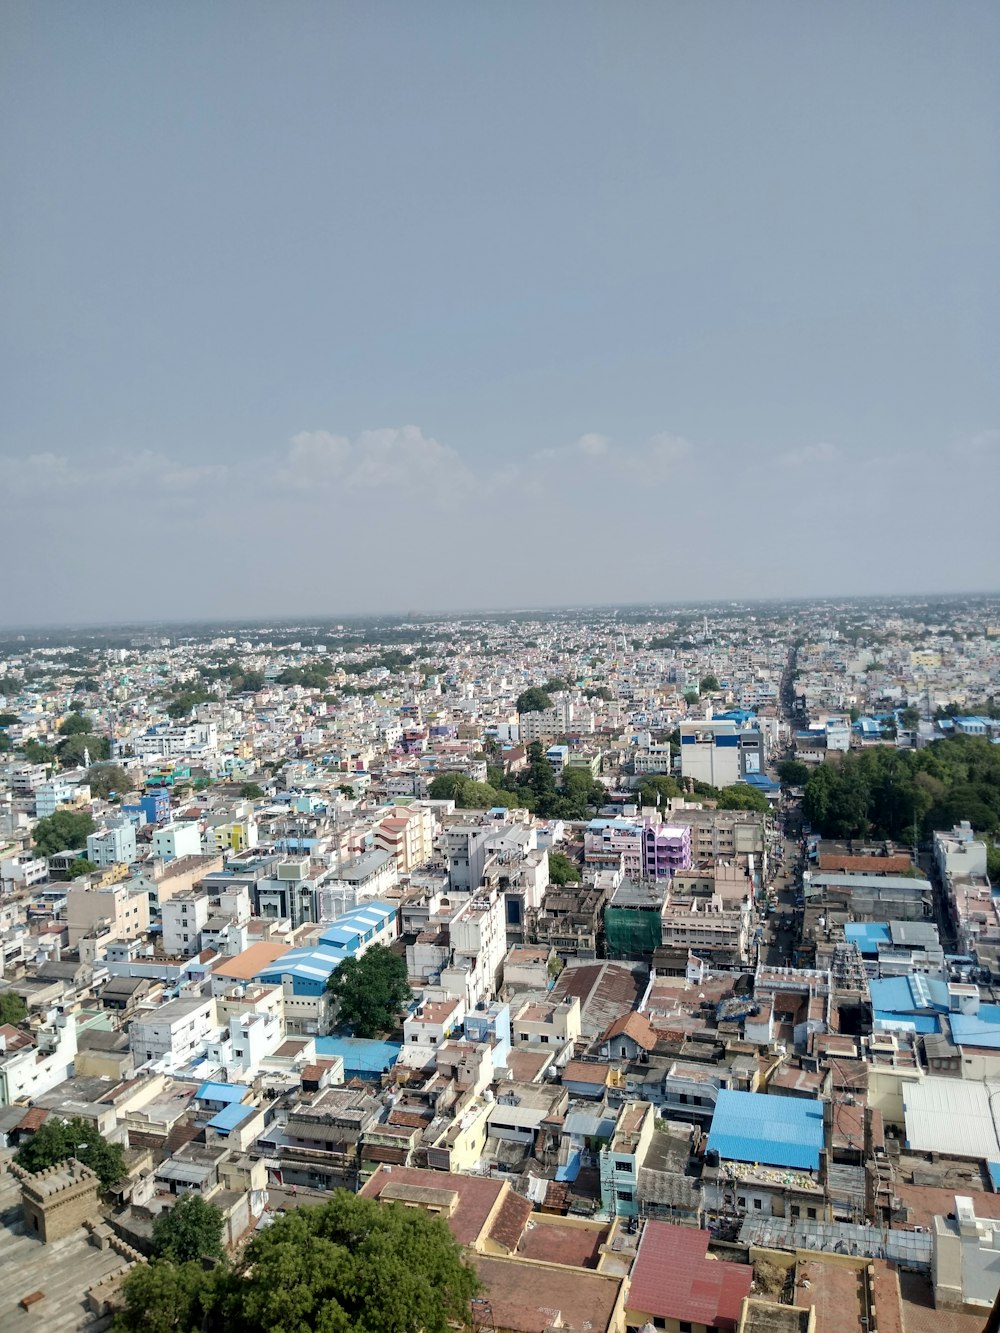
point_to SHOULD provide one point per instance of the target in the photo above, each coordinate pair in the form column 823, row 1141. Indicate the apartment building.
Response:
column 120, row 911
column 113, row 845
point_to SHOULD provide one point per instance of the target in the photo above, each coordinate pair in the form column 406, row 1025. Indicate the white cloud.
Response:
column 808, row 455
column 401, row 458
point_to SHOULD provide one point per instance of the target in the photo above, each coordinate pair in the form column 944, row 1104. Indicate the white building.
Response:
column 478, row 943
column 113, row 845
column 174, row 1032
column 195, row 740
column 184, row 917
column 33, row 1065
column 173, row 841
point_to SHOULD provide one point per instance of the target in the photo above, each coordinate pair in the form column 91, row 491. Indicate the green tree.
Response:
column 993, row 864
column 12, row 1007
column 250, row 791
column 166, row 1297
column 75, row 725
column 709, row 685
column 372, row 990
column 740, row 796
column 192, row 1229
column 445, row 786
column 658, row 785
column 533, row 701
column 691, row 697
column 562, row 870
column 107, row 778
column 8, row 719
column 910, row 718
column 81, row 867
column 6, row 744
column 75, row 749
column 66, row 828
column 58, row 1140
column 554, row 686
column 793, row 772
column 36, row 753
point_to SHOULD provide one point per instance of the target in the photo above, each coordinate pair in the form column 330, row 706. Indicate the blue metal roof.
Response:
column 867, row 935
column 974, row 1030
column 572, row 1167
column 925, row 1024
column 910, row 995
column 221, row 1092
column 773, row 1131
column 360, row 1056
column 231, row 1116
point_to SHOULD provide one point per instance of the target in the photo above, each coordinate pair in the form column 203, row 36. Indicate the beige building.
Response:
column 114, row 911
column 58, row 1200
column 408, row 836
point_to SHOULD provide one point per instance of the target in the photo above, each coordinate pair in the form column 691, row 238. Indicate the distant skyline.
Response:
column 332, row 309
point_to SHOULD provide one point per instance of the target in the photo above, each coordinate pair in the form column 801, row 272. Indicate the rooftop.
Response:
column 774, row 1131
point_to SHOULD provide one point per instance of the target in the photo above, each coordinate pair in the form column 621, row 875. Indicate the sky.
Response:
column 327, row 308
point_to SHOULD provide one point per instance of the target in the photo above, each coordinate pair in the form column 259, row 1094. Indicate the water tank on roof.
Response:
column 712, row 1157
column 488, row 1095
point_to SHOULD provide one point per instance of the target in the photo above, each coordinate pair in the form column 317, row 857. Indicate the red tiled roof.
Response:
column 34, row 1118
column 509, row 1223
column 673, row 1278
column 636, row 1026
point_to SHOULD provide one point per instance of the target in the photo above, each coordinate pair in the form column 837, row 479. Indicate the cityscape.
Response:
column 655, row 949
column 499, row 666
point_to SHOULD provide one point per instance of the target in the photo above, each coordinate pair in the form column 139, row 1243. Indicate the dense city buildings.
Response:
column 692, row 916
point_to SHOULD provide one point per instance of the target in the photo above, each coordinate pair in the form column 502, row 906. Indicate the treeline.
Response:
column 533, row 789
column 907, row 794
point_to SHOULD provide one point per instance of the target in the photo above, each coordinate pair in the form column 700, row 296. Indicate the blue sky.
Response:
column 393, row 306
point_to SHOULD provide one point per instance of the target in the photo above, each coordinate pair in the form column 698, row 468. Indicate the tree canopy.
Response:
column 75, row 749
column 563, row 870
column 793, row 772
column 58, row 1140
column 350, row 1265
column 891, row 793
column 12, row 1007
column 81, row 867
column 709, row 684
column 372, row 991
column 656, row 785
column 107, row 778
column 192, row 1229
column 740, row 796
column 75, row 725
column 251, row 791
column 533, row 701
column 66, row 828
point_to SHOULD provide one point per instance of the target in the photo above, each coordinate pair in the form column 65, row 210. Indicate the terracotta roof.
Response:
column 585, row 1071
column 636, row 1026
column 510, row 1221
column 673, row 1278
column 34, row 1118
column 477, row 1195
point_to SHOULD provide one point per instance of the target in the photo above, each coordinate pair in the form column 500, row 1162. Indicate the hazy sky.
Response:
column 319, row 308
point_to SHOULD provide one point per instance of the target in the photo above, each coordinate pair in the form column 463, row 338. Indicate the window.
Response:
column 793, row 1210
column 741, row 1200
column 624, row 1196
column 811, row 1212
column 758, row 1203
column 684, row 1325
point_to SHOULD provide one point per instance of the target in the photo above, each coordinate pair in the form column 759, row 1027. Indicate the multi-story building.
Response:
column 193, row 741
column 666, row 849
column 408, row 836
column 113, row 845
column 719, row 751
column 173, row 841
column 120, row 911
column 184, row 917
column 173, row 1032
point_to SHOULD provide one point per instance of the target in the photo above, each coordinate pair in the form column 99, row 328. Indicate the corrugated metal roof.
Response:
column 954, row 1116
column 774, row 1131
column 231, row 1116
column 221, row 1092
